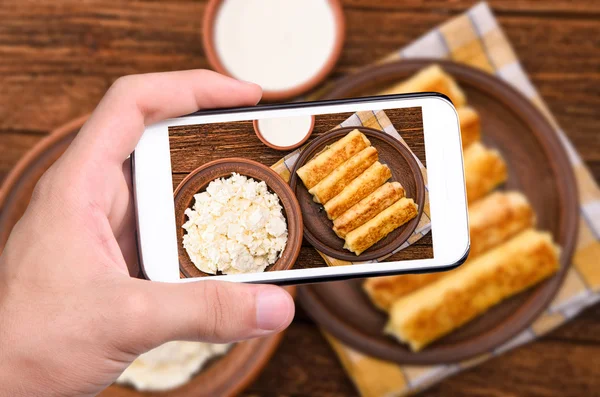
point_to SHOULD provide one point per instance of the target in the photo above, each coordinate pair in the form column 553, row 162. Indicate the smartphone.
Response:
column 378, row 188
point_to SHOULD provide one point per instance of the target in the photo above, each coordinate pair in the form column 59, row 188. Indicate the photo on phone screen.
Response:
column 360, row 180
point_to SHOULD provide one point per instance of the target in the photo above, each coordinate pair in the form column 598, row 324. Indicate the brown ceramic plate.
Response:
column 224, row 376
column 318, row 229
column 199, row 179
column 538, row 167
column 213, row 58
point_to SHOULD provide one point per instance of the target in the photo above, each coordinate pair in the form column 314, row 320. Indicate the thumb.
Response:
column 207, row 311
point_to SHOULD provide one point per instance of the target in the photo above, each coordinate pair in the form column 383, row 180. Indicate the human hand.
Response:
column 71, row 317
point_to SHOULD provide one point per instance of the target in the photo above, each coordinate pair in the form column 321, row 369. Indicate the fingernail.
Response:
column 272, row 309
column 251, row 83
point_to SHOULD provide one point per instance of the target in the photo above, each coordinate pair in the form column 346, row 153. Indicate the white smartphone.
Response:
column 407, row 213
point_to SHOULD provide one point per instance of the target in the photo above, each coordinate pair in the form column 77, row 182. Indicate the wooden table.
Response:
column 58, row 58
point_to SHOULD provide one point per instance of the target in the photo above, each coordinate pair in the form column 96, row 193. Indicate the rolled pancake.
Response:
column 328, row 160
column 363, row 185
column 492, row 221
column 432, row 78
column 335, row 182
column 496, row 218
column 384, row 291
column 435, row 310
column 367, row 208
column 470, row 125
column 485, row 169
column 394, row 216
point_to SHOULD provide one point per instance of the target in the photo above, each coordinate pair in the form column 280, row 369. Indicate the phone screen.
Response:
column 360, row 179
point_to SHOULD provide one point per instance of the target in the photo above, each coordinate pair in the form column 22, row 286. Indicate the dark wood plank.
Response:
column 544, row 368
column 194, row 145
column 37, row 104
column 304, row 365
column 12, row 147
column 81, row 48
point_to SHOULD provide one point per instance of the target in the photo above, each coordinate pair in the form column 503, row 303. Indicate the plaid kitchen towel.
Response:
column 379, row 121
column 475, row 38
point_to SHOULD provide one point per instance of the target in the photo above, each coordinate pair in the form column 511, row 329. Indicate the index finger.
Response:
column 113, row 130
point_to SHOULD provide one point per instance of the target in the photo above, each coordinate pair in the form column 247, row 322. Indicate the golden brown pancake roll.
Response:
column 384, row 291
column 496, row 218
column 328, row 160
column 470, row 125
column 434, row 78
column 431, row 78
column 435, row 310
column 492, row 221
column 335, row 182
column 363, row 185
column 394, row 216
column 367, row 208
column 485, row 169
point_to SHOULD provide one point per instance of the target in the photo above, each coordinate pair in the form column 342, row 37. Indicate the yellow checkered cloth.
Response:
column 377, row 120
column 476, row 39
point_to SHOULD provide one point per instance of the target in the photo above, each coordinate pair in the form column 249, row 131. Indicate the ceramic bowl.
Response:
column 198, row 180
column 210, row 14
column 283, row 148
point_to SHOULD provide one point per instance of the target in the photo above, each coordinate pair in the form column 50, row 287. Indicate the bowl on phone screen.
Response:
column 197, row 182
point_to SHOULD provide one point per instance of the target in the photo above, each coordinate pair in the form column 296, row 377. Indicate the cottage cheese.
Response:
column 235, row 226
column 169, row 365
